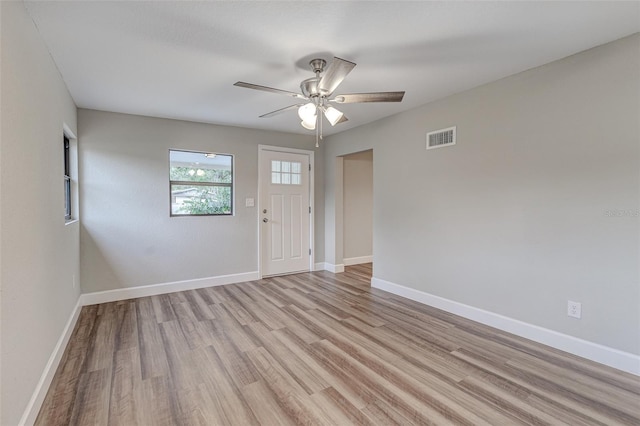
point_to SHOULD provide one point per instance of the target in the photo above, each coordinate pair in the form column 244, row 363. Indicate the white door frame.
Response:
column 261, row 149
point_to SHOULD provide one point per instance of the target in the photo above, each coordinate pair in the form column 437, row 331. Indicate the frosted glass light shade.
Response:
column 333, row 115
column 306, row 111
column 309, row 123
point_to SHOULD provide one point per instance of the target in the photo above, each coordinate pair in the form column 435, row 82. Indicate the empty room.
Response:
column 319, row 212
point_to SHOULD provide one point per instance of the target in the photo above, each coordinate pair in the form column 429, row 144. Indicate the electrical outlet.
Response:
column 574, row 309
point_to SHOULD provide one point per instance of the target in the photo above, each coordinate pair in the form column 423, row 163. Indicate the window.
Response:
column 67, row 180
column 286, row 172
column 201, row 183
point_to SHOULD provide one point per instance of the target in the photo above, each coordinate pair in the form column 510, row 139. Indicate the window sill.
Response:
column 71, row 221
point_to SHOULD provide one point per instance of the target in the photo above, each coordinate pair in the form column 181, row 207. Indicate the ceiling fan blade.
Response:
column 334, row 74
column 269, row 89
column 342, row 119
column 281, row 110
column 369, row 97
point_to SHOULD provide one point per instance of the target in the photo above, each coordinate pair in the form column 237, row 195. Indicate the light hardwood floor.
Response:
column 318, row 348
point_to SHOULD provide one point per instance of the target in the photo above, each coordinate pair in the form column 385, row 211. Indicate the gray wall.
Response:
column 39, row 254
column 513, row 219
column 127, row 237
column 358, row 204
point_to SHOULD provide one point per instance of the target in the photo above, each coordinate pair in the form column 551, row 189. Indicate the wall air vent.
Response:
column 440, row 138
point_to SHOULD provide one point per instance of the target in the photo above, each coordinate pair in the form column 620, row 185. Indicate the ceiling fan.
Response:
column 318, row 91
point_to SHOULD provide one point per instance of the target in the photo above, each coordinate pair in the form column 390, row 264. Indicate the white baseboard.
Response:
column 35, row 403
column 336, row 269
column 593, row 351
column 324, row 266
column 171, row 287
column 348, row 261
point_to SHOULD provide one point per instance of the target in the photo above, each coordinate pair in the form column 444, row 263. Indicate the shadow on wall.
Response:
column 90, row 251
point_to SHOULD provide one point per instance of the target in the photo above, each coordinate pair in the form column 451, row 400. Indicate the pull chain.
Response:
column 318, row 113
column 321, row 120
column 317, row 128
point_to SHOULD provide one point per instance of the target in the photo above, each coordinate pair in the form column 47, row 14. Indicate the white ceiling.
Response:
column 179, row 59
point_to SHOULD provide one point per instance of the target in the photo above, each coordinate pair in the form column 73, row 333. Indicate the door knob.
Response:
column 265, row 220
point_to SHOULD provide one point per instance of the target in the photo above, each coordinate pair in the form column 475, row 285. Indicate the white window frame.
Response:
column 208, row 184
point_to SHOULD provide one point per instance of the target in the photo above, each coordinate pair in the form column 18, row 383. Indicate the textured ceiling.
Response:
column 179, row 59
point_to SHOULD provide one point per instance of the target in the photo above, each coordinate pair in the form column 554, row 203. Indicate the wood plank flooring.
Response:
column 318, row 349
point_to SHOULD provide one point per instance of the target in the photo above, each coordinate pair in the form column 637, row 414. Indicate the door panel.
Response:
column 284, row 212
column 296, row 226
column 275, row 225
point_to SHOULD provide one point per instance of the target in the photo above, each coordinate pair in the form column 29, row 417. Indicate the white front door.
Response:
column 284, row 212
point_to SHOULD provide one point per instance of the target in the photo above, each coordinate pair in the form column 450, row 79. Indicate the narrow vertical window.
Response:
column 67, row 180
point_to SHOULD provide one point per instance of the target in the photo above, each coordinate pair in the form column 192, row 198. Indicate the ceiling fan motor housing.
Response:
column 309, row 88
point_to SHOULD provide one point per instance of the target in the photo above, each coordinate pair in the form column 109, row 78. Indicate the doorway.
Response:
column 357, row 208
column 285, row 182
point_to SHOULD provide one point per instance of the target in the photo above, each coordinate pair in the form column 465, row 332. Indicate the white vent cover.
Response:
column 440, row 138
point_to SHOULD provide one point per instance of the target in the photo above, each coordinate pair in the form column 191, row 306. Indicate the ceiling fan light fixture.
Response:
column 307, row 111
column 310, row 123
column 333, row 115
